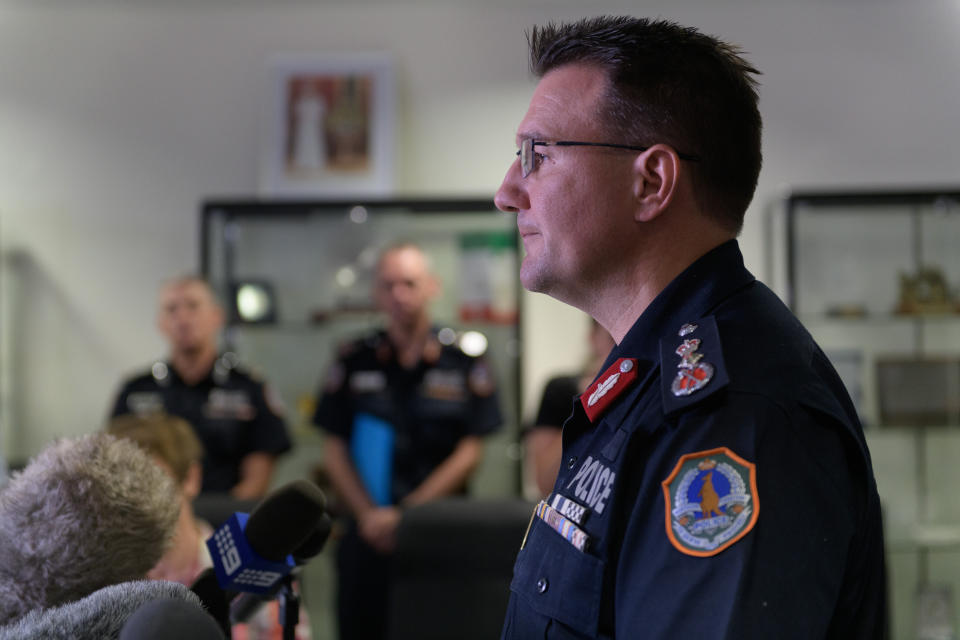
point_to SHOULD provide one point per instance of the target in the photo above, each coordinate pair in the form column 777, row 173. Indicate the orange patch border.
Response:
column 753, row 492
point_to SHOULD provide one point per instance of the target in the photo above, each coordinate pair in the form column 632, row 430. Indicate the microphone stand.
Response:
column 289, row 608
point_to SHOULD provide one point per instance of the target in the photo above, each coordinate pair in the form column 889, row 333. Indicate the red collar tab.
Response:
column 608, row 387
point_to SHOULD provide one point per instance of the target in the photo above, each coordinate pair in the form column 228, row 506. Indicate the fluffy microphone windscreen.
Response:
column 168, row 618
column 102, row 614
column 285, row 519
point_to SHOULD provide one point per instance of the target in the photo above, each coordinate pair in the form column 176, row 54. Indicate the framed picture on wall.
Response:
column 329, row 126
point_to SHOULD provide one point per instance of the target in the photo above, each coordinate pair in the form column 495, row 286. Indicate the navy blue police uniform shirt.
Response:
column 426, row 409
column 715, row 483
column 233, row 414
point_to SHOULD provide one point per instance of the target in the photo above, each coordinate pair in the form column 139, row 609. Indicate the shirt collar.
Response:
column 387, row 352
column 694, row 293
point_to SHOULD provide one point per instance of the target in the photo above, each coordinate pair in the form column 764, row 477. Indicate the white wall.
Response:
column 116, row 119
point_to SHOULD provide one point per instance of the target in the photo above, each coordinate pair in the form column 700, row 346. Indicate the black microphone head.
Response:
column 169, row 618
column 314, row 543
column 285, row 519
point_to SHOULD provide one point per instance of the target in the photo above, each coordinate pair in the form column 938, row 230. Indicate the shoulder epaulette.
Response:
column 608, row 386
column 691, row 364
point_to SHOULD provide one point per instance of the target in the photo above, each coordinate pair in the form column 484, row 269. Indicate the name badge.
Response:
column 368, row 381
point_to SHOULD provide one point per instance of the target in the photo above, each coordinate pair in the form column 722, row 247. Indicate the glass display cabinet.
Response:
column 296, row 278
column 875, row 277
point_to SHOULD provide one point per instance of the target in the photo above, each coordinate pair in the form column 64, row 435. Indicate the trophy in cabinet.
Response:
column 925, row 291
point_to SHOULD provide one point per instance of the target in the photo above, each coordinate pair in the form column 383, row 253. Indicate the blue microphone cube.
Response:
column 237, row 566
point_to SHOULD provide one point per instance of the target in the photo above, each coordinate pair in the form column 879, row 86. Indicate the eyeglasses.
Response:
column 528, row 159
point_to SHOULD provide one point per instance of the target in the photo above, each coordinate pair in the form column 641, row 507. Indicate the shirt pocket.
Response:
column 378, row 404
column 559, row 581
column 443, row 409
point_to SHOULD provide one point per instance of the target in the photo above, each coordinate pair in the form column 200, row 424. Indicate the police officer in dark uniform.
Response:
column 715, row 482
column 404, row 412
column 237, row 418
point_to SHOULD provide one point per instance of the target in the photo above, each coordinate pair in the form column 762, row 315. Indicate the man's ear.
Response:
column 220, row 315
column 194, row 481
column 434, row 286
column 656, row 173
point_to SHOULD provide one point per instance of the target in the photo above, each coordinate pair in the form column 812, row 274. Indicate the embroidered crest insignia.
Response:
column 687, row 329
column 692, row 374
column 711, row 501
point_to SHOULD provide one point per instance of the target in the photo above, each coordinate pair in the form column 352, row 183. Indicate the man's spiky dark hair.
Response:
column 675, row 85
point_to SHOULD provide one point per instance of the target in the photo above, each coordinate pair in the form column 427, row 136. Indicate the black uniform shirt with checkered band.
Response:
column 429, row 407
column 810, row 566
column 229, row 411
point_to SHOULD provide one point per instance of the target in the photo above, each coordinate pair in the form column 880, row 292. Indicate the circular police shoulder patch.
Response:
column 711, row 501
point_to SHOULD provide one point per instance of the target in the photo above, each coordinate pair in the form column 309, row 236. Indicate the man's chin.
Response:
column 405, row 320
column 532, row 278
column 187, row 347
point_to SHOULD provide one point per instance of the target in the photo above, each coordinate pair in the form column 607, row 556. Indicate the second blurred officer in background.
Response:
column 404, row 416
column 236, row 418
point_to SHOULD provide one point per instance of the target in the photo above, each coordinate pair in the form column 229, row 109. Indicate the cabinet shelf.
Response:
column 359, row 321
column 851, row 259
column 879, row 318
column 927, row 537
column 905, row 428
column 314, row 265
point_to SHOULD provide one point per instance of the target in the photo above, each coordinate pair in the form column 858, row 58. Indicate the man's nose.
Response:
column 511, row 196
column 399, row 292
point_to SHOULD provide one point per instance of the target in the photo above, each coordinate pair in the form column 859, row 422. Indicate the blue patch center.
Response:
column 706, row 490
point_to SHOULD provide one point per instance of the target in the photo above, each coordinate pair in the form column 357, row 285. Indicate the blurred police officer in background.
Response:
column 238, row 419
column 715, row 481
column 404, row 412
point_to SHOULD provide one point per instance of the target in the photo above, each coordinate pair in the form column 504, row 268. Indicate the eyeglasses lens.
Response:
column 526, row 157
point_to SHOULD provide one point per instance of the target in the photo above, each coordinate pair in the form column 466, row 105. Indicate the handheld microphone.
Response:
column 252, row 553
column 214, row 599
column 244, row 606
column 313, row 544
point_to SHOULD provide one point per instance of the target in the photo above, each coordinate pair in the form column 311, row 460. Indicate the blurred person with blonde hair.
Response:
column 171, row 442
